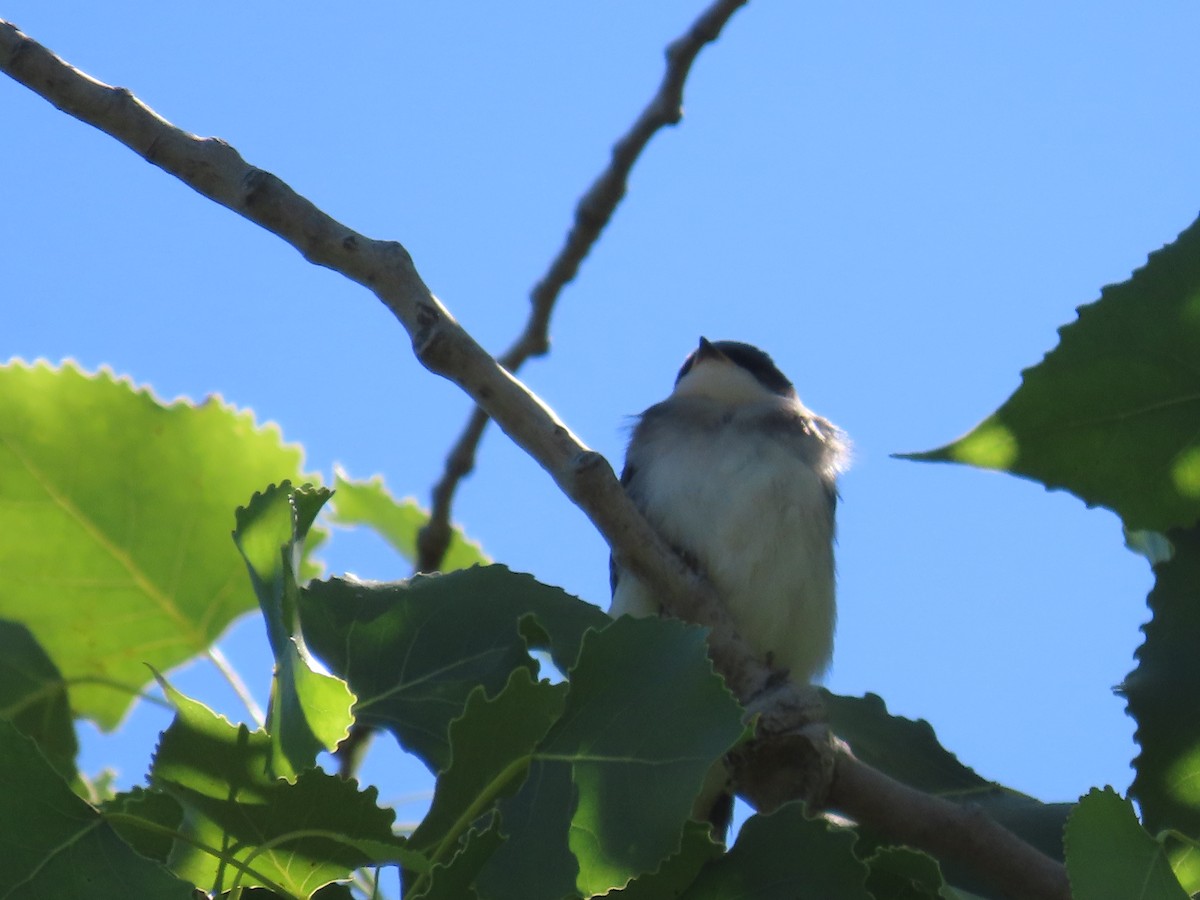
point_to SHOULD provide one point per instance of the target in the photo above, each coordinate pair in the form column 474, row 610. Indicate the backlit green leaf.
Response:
column 397, row 521
column 115, row 512
column 244, row 826
column 310, row 710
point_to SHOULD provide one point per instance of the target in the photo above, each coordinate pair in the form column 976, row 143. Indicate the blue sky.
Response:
column 900, row 202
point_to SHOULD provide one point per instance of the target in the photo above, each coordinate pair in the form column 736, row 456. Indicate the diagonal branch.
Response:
column 216, row 170
column 592, row 215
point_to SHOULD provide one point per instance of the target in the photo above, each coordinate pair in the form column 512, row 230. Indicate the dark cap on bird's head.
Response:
column 747, row 357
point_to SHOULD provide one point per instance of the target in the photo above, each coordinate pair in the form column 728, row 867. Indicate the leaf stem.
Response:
column 235, row 681
column 243, row 868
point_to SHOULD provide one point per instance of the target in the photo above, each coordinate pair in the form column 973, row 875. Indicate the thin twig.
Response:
column 230, row 674
column 592, row 215
column 217, row 171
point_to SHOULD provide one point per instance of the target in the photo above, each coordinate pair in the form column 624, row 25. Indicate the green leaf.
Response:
column 412, row 651
column 1185, row 863
column 1110, row 414
column 905, row 749
column 455, row 880
column 310, row 710
column 56, row 846
column 613, row 783
column 396, row 521
column 909, row 751
column 1167, row 784
column 34, row 698
column 491, row 746
column 147, row 820
column 696, row 850
column 114, row 511
column 1111, row 857
column 329, row 892
column 243, row 826
column 785, row 855
column 902, row 873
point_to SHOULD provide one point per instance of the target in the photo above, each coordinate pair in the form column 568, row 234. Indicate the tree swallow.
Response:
column 740, row 478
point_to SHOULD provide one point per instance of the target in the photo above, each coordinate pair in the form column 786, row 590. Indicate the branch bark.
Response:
column 214, row 169
column 592, row 215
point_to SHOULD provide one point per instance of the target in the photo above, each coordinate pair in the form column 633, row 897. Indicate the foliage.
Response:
column 578, row 781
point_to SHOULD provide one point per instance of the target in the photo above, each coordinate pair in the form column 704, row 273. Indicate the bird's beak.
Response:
column 708, row 351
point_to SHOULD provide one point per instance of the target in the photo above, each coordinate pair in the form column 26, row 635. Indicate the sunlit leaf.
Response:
column 115, row 512
column 245, row 826
column 310, row 710
column 398, row 522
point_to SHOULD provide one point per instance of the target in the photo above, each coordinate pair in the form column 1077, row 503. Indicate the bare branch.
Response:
column 592, row 214
column 216, row 170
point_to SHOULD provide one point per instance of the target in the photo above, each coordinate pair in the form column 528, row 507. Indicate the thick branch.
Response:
column 592, row 214
column 216, row 170
column 947, row 830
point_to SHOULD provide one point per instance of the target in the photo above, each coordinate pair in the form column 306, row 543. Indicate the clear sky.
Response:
column 901, row 202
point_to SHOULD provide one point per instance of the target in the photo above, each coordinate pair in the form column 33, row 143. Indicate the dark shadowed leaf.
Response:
column 147, row 820
column 56, row 846
column 613, row 783
column 1111, row 857
column 909, row 751
column 413, row 650
column 455, row 880
column 696, row 850
column 34, row 698
column 1163, row 690
column 901, row 873
column 785, row 856
column 491, row 746
column 1110, row 414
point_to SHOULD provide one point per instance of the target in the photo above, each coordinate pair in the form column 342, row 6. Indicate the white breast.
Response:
column 759, row 521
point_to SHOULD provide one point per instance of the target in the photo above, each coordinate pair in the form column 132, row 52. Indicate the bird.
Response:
column 740, row 478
